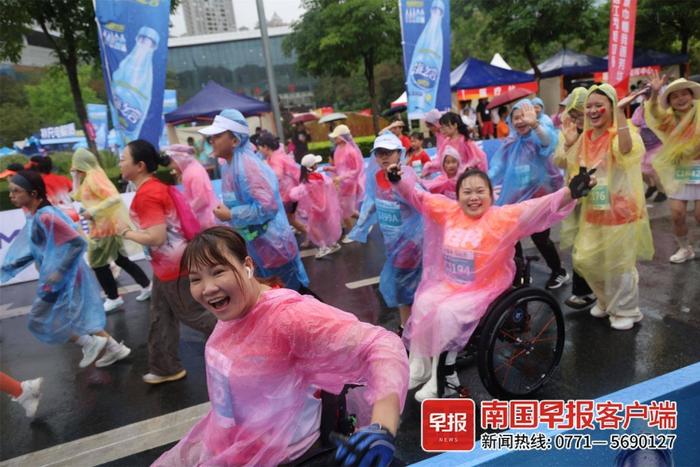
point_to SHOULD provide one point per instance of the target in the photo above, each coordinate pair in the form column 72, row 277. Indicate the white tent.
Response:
column 498, row 61
column 401, row 100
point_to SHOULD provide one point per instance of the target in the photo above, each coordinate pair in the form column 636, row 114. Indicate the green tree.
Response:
column 335, row 38
column 70, row 28
column 16, row 123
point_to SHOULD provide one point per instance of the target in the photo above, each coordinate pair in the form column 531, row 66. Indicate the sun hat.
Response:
column 677, row 85
column 310, row 160
column 340, row 130
column 228, row 120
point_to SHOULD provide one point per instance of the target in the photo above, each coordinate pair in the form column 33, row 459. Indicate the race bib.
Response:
column 459, row 265
column 522, row 173
column 219, row 390
column 599, row 198
column 689, row 173
column 389, row 213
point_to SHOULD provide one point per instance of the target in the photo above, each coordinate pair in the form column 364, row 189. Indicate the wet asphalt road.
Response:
column 597, row 360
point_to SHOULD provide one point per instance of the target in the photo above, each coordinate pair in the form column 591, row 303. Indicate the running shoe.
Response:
column 683, row 254
column 624, row 323
column 31, row 393
column 335, row 247
column 92, row 350
column 660, row 197
column 650, row 192
column 580, row 302
column 145, row 293
column 152, row 378
column 598, row 312
column 347, row 240
column 113, row 304
column 323, row 251
column 113, row 355
column 557, row 279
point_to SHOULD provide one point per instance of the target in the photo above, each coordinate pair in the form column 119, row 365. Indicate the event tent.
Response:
column 211, row 100
column 475, row 78
column 569, row 63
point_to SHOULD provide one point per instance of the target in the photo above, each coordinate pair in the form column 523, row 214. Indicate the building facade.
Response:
column 208, row 16
column 235, row 61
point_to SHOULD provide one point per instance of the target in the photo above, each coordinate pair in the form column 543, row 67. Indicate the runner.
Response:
column 455, row 133
column 446, row 182
column 271, row 352
column 107, row 216
column 67, row 306
column 675, row 118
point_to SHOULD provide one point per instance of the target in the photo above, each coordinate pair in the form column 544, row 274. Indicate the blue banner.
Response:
column 133, row 36
column 425, row 27
column 97, row 114
column 169, row 104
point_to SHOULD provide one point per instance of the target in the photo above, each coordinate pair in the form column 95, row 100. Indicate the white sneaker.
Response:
column 152, row 378
column 682, row 255
column 624, row 323
column 598, row 312
column 145, row 293
column 31, row 393
column 419, row 371
column 429, row 389
column 111, row 305
column 335, row 247
column 92, row 350
column 347, row 240
column 323, row 251
column 113, row 355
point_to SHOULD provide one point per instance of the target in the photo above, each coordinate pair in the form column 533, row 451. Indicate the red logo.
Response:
column 447, row 425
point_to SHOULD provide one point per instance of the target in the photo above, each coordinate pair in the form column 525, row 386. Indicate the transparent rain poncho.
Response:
column 444, row 184
column 543, row 118
column 68, row 301
column 471, row 154
column 467, row 263
column 402, row 229
column 249, row 189
column 199, row 191
column 264, row 368
column 652, row 144
column 678, row 161
column 613, row 227
column 286, row 170
column 523, row 166
column 318, row 201
column 101, row 199
column 349, row 167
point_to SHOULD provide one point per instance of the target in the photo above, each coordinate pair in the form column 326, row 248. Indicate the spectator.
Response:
column 300, row 139
column 483, row 116
column 502, row 129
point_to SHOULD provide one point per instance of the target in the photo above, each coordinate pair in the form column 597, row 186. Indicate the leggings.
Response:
column 106, row 279
column 579, row 286
column 546, row 248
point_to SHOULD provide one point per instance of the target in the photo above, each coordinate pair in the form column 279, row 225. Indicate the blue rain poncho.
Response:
column 543, row 118
column 523, row 166
column 67, row 301
column 250, row 190
column 402, row 228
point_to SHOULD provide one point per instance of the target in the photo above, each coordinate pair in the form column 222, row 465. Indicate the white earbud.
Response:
column 249, row 271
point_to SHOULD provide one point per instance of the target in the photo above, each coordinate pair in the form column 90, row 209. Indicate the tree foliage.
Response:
column 669, row 26
column 336, row 38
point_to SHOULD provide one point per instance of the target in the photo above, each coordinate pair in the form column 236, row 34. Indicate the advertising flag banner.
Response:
column 425, row 30
column 623, row 15
column 133, row 37
column 97, row 114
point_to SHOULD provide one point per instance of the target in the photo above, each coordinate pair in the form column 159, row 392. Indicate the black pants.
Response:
column 106, row 279
column 579, row 286
column 546, row 248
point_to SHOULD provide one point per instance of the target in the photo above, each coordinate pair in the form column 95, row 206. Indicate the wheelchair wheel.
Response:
column 521, row 343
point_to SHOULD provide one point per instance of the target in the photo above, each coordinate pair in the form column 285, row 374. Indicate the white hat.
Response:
column 387, row 141
column 432, row 116
column 310, row 160
column 224, row 122
column 677, row 85
column 340, row 130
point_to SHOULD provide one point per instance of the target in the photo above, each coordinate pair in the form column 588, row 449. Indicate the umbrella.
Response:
column 394, row 110
column 303, row 117
column 508, row 97
column 332, row 117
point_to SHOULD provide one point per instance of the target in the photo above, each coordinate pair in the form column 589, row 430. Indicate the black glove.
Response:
column 371, row 446
column 393, row 175
column 579, row 184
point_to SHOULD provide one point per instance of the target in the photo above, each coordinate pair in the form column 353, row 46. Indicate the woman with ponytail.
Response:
column 456, row 134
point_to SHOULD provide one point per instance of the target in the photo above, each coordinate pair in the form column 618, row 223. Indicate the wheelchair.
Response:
column 517, row 344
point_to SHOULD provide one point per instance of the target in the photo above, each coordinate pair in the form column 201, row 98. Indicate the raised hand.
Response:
column 529, row 114
column 657, row 82
column 569, row 130
column 581, row 184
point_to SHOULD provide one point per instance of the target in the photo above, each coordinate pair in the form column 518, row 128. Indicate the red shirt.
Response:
column 406, row 142
column 58, row 190
column 421, row 156
column 152, row 205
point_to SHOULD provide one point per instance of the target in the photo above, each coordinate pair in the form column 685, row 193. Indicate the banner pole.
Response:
column 274, row 100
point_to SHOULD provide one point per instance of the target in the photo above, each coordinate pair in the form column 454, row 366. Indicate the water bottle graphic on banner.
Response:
column 132, row 84
column 426, row 64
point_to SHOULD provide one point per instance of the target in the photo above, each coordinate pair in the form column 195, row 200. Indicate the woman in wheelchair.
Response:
column 467, row 264
column 271, row 352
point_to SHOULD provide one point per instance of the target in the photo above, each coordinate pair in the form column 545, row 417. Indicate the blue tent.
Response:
column 211, row 100
column 569, row 63
column 644, row 57
column 473, row 73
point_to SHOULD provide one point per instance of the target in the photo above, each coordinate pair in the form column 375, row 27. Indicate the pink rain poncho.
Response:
column 67, row 301
column 197, row 184
column 443, row 184
column 286, row 170
column 318, row 201
column 264, row 369
column 471, row 155
column 467, row 263
column 349, row 167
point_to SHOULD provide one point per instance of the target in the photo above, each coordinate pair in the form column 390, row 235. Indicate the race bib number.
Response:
column 388, row 213
column 599, row 198
column 219, row 389
column 689, row 173
column 522, row 173
column 459, row 265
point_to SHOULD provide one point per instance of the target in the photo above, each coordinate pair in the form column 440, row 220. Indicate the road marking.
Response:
column 118, row 443
column 7, row 310
column 362, row 283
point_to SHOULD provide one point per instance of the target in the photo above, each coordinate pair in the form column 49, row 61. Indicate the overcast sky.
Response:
column 247, row 13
